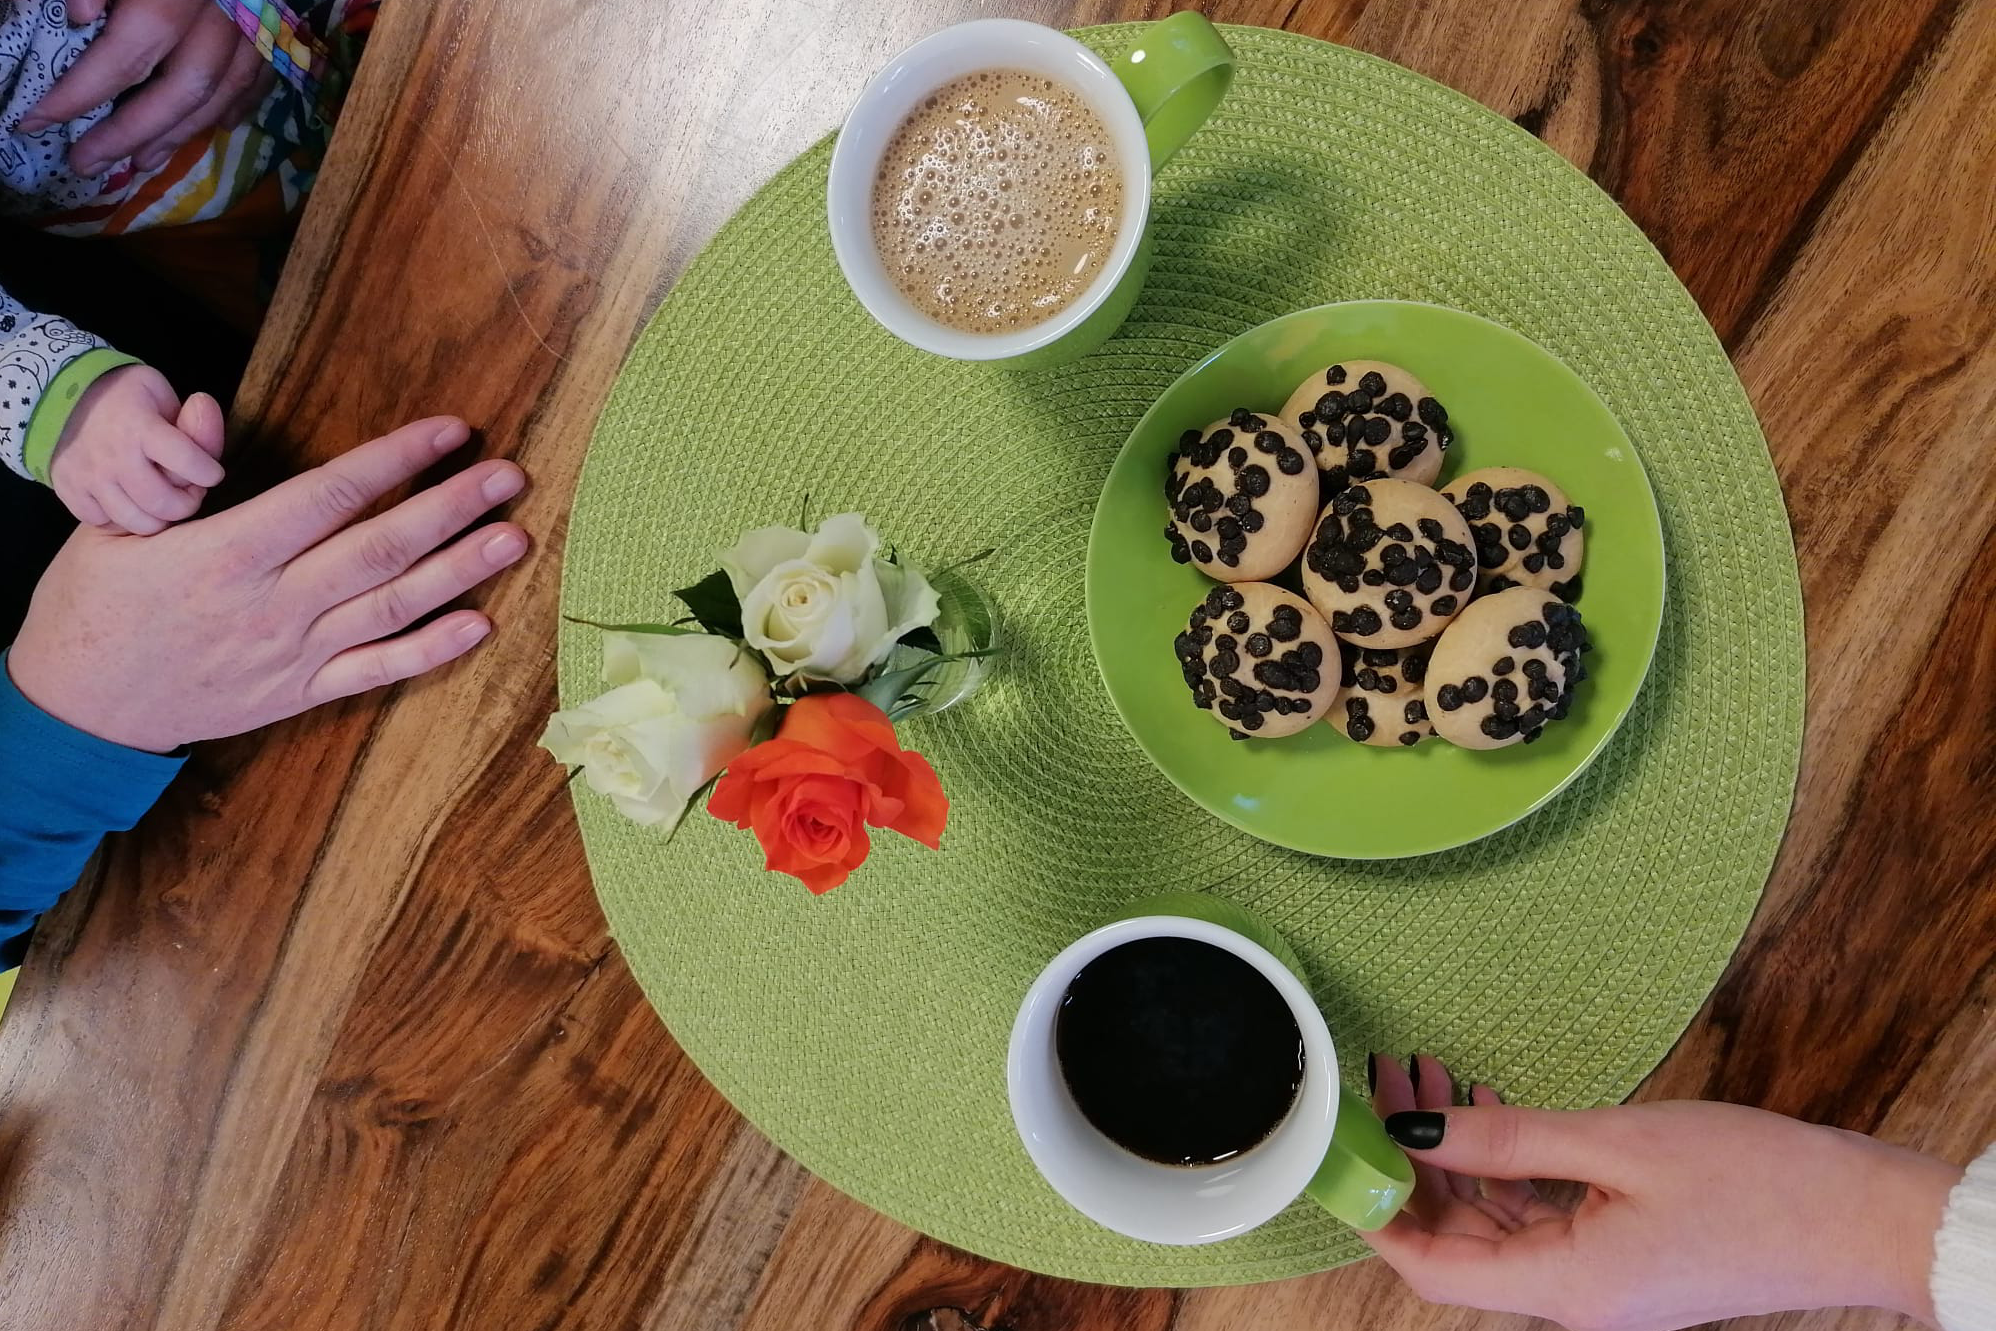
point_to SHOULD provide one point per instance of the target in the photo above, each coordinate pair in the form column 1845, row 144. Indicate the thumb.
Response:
column 201, row 420
column 1506, row 1142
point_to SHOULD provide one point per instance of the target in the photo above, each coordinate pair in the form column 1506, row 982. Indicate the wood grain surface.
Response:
column 337, row 1038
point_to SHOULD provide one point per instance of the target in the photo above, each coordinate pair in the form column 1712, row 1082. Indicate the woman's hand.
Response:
column 191, row 65
column 231, row 622
column 1693, row 1211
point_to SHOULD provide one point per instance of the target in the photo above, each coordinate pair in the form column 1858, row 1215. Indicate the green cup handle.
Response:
column 1365, row 1179
column 1176, row 74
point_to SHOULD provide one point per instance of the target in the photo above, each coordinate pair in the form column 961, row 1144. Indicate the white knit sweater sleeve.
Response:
column 1964, row 1278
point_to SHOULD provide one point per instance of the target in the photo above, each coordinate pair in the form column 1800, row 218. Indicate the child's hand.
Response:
column 132, row 457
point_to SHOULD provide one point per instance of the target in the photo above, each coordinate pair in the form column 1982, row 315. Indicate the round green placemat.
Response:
column 865, row 1031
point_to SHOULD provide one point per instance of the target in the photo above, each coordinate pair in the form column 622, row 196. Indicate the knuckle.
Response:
column 383, row 552
column 1501, row 1145
column 339, row 497
column 392, row 610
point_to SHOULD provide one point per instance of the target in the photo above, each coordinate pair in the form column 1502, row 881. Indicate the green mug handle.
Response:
column 1176, row 74
column 1365, row 1179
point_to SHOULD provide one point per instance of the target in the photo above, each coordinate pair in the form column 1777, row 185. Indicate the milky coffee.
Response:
column 997, row 201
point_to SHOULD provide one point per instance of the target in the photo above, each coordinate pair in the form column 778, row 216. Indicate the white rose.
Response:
column 683, row 707
column 822, row 605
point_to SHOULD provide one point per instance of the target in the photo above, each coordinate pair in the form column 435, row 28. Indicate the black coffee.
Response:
column 1178, row 1051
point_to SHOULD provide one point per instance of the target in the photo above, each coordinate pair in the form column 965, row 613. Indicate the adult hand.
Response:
column 192, row 66
column 231, row 622
column 1693, row 1211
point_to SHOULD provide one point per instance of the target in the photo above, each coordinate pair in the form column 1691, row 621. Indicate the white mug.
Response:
column 1150, row 102
column 1329, row 1145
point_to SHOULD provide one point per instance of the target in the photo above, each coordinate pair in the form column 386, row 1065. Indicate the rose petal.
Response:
column 909, row 603
column 759, row 551
column 843, row 543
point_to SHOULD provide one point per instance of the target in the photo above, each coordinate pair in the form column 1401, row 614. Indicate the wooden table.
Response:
column 338, row 1039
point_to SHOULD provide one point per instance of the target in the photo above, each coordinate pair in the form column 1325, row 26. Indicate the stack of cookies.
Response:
column 1421, row 611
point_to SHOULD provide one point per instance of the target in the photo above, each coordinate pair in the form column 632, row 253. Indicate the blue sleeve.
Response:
column 61, row 790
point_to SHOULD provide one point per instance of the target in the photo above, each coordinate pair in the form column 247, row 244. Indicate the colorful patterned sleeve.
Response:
column 45, row 364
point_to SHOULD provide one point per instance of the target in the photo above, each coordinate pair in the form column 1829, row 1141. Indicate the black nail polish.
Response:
column 1418, row 1130
column 1371, row 1074
column 1414, row 1071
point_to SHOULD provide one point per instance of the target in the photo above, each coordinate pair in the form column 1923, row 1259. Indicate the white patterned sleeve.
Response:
column 1964, row 1279
column 34, row 349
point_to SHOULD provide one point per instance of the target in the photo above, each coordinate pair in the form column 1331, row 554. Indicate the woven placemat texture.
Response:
column 865, row 1032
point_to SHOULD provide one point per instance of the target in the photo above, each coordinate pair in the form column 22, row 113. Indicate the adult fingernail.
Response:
column 1414, row 1070
column 1371, row 1073
column 503, row 546
column 473, row 631
column 1417, row 1129
column 33, row 124
column 503, row 483
column 449, row 435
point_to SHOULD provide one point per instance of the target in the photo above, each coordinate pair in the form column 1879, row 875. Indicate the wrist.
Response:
column 1901, row 1196
column 66, row 404
column 43, row 685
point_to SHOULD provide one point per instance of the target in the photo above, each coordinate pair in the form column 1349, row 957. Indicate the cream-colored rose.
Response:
column 823, row 605
column 681, row 708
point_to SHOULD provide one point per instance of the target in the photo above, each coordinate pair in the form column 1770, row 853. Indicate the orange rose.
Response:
column 833, row 770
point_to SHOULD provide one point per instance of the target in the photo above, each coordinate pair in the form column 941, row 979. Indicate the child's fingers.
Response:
column 121, row 511
column 83, row 506
column 147, row 486
column 201, row 420
column 183, row 458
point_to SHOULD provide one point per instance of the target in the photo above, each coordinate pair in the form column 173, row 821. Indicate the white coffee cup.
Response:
column 1179, row 76
column 1331, row 1147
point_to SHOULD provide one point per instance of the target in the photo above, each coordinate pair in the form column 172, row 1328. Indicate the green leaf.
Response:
column 923, row 639
column 668, row 630
column 714, row 604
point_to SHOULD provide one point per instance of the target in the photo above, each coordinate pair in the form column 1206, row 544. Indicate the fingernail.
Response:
column 1414, row 1070
column 153, row 161
column 1371, row 1074
column 503, row 483
column 474, row 631
column 32, row 124
column 88, row 168
column 504, row 546
column 450, row 435
column 1417, row 1129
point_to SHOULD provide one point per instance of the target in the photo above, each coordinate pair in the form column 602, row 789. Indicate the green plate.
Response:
column 1512, row 404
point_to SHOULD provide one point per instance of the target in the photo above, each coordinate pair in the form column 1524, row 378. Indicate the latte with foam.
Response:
column 997, row 202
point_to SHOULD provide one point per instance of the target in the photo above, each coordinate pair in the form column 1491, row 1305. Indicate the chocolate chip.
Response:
column 1530, row 634
column 1416, row 712
column 1264, row 701
column 1576, row 515
column 1290, row 462
column 1359, row 728
column 1505, row 690
column 1250, row 720
column 1415, row 434
column 1443, row 606
column 1237, row 457
column 1348, row 585
column 1507, row 711
column 1358, row 402
column 1504, row 665
column 1395, row 405
column 1251, row 521
column 1399, row 599
column 1269, row 441
column 1202, row 521
column 1335, row 375
column 1473, row 688
column 1378, row 430
column 1534, row 563
column 1372, row 577
column 1237, row 622
column 1202, row 552
column 1258, row 645
column 1448, row 697
column 1431, row 411
column 1519, row 536
column 1329, row 406
column 1498, row 727
column 1460, row 580
column 1407, row 620
column 1430, row 580
column 1513, row 504
column 1414, row 666
column 1228, row 599
column 1364, row 622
